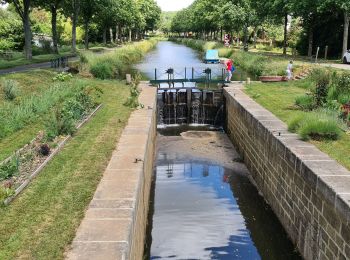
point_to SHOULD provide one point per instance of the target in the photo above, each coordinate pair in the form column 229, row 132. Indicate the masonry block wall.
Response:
column 114, row 226
column 308, row 191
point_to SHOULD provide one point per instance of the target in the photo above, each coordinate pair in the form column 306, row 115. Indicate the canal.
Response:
column 204, row 205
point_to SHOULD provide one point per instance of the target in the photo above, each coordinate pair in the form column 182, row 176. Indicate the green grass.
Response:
column 279, row 98
column 21, row 60
column 42, row 221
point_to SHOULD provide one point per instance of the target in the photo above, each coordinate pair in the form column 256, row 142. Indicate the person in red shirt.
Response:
column 229, row 66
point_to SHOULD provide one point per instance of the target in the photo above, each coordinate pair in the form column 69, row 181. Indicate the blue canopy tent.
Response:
column 212, row 56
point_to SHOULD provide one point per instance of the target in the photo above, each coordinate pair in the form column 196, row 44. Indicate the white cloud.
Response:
column 173, row 5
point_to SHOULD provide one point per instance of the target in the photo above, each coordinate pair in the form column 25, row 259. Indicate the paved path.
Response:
column 33, row 66
column 336, row 66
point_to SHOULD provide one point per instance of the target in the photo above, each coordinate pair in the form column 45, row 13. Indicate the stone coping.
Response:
column 322, row 173
column 107, row 228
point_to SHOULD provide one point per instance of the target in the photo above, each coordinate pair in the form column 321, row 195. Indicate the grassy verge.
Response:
column 119, row 62
column 42, row 221
column 279, row 98
column 6, row 64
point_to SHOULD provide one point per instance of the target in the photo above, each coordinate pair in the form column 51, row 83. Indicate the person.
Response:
column 229, row 69
column 290, row 70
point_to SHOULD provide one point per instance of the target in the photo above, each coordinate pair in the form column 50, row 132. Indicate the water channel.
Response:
column 203, row 204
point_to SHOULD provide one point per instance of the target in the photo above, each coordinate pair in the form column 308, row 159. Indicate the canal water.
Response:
column 203, row 204
column 205, row 207
column 181, row 58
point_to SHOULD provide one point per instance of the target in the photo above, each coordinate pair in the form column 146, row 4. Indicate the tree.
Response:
column 71, row 9
column 52, row 6
column 344, row 5
column 89, row 9
column 23, row 9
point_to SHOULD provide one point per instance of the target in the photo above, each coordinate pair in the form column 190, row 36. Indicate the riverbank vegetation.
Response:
column 295, row 26
column 117, row 63
column 255, row 64
column 47, row 214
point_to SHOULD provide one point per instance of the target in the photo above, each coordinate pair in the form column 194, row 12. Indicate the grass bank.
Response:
column 119, row 62
column 280, row 100
column 42, row 222
column 256, row 64
column 37, row 94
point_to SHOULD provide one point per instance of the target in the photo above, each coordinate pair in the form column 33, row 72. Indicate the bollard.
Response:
column 128, row 79
column 248, row 81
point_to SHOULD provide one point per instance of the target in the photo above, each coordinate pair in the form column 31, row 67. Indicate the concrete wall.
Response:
column 114, row 226
column 308, row 191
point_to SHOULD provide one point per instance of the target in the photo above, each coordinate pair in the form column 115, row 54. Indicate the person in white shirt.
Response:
column 290, row 70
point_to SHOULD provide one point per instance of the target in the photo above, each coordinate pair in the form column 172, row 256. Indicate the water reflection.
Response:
column 205, row 211
column 172, row 55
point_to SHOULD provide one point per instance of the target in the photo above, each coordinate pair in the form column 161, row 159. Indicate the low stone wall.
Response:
column 114, row 226
column 308, row 191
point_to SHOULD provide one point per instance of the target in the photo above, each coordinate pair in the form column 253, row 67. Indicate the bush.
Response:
column 10, row 89
column 63, row 76
column 4, row 194
column 318, row 125
column 305, row 102
column 102, row 70
column 59, row 123
column 9, row 169
column 44, row 149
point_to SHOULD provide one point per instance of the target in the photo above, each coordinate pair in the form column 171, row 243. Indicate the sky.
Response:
column 173, row 5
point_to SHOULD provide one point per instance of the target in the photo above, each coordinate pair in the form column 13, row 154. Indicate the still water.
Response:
column 205, row 207
column 172, row 55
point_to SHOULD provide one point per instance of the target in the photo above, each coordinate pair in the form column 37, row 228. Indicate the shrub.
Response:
column 44, row 149
column 4, row 194
column 10, row 89
column 319, row 125
column 59, row 123
column 9, row 169
column 63, row 76
column 305, row 102
column 102, row 70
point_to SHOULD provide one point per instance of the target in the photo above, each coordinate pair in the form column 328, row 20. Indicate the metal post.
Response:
column 318, row 49
column 155, row 74
column 185, row 73
column 192, row 73
column 189, row 105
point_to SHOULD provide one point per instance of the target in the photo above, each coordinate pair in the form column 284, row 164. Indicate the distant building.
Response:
column 40, row 40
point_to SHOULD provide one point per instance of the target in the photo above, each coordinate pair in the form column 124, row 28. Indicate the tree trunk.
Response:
column 111, row 35
column 27, row 30
column 54, row 28
column 130, row 34
column 86, row 25
column 311, row 39
column 74, row 32
column 285, row 34
column 221, row 35
column 104, row 36
column 346, row 32
column 117, row 29
column 254, row 38
column 245, row 45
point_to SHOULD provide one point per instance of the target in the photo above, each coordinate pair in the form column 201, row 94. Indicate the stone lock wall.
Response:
column 308, row 191
column 114, row 226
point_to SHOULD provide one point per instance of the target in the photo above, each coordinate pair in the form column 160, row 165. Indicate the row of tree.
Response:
column 205, row 17
column 119, row 17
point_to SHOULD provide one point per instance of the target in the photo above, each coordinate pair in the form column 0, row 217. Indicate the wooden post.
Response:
column 326, row 52
column 318, row 49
